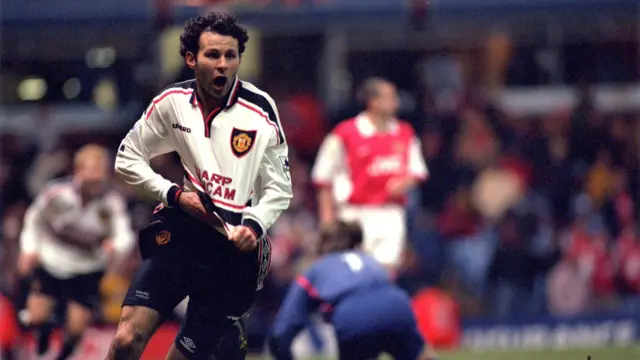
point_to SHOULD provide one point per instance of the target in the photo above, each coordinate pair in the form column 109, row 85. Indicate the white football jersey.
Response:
column 59, row 209
column 237, row 154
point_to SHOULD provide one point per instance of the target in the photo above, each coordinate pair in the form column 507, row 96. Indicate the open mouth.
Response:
column 219, row 81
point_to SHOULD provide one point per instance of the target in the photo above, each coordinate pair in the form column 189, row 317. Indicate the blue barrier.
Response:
column 613, row 328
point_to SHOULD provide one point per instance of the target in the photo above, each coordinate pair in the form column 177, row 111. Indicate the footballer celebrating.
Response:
column 210, row 231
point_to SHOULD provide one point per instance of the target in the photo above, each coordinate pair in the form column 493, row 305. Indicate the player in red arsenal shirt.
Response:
column 365, row 168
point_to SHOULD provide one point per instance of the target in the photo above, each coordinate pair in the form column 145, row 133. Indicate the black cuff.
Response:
column 254, row 226
column 172, row 196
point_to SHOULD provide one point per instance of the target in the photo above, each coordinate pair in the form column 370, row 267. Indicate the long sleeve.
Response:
column 121, row 232
column 35, row 217
column 292, row 317
column 29, row 237
column 329, row 161
column 275, row 188
column 417, row 166
column 147, row 139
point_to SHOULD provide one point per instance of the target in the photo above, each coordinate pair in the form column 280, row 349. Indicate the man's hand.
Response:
column 398, row 186
column 27, row 263
column 108, row 247
column 190, row 203
column 243, row 238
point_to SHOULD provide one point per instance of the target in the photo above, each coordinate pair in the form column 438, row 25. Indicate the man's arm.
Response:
column 31, row 230
column 34, row 225
column 328, row 163
column 417, row 171
column 147, row 139
column 276, row 192
column 292, row 317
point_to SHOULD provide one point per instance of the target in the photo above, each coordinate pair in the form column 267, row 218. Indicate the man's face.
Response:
column 386, row 103
column 216, row 63
column 92, row 176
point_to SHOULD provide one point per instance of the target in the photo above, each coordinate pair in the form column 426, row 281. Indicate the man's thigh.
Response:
column 384, row 233
column 401, row 344
column 160, row 283
column 85, row 290
column 202, row 329
column 360, row 348
column 45, row 283
column 404, row 344
column 224, row 279
column 225, row 289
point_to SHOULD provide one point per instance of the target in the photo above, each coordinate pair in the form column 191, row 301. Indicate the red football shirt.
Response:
column 629, row 257
column 361, row 160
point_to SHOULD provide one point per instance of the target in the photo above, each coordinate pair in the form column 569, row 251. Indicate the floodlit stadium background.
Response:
column 527, row 111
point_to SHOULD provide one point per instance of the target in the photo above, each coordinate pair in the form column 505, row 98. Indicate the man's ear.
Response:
column 190, row 59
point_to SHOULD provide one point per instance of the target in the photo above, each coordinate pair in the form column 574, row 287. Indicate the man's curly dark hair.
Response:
column 221, row 23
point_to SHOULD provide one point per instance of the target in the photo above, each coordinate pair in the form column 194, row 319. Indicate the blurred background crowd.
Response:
column 528, row 117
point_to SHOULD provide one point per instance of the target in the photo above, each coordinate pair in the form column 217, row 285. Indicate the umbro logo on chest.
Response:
column 182, row 128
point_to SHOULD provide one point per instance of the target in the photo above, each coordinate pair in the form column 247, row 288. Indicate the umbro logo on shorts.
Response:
column 188, row 344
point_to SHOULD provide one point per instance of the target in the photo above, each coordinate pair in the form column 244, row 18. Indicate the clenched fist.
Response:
column 243, row 238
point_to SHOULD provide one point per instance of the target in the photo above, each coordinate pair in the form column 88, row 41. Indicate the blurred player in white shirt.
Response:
column 72, row 231
column 364, row 169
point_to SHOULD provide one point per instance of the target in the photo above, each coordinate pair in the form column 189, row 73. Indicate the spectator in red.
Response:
column 619, row 209
column 9, row 330
column 568, row 290
column 586, row 243
column 628, row 256
column 477, row 146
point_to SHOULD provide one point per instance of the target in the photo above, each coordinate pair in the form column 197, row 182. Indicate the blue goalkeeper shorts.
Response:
column 374, row 321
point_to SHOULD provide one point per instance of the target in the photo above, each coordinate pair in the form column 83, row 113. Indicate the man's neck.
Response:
column 378, row 121
column 208, row 103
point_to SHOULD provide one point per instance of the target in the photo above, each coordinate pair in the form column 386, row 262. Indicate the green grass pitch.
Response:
column 604, row 353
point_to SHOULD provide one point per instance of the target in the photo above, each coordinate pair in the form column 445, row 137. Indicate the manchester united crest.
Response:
column 163, row 237
column 242, row 141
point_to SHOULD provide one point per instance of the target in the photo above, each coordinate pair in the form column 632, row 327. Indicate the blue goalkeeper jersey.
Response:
column 331, row 280
column 337, row 275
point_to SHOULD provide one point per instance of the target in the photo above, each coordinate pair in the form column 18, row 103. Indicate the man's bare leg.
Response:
column 232, row 346
column 427, row 354
column 79, row 318
column 137, row 325
column 175, row 354
column 40, row 308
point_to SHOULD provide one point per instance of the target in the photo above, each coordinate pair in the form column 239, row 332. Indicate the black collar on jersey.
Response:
column 230, row 100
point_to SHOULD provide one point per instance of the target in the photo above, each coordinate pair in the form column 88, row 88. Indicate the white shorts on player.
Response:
column 383, row 230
